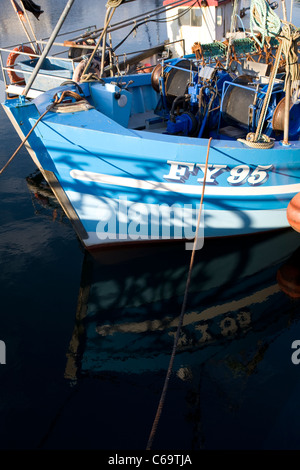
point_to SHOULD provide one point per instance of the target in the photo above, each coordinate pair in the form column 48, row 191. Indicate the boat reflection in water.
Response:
column 130, row 302
column 43, row 200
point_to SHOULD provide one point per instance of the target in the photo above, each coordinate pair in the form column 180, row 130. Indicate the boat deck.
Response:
column 147, row 121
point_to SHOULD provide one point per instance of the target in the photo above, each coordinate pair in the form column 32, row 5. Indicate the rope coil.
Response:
column 264, row 20
column 263, row 143
column 289, row 36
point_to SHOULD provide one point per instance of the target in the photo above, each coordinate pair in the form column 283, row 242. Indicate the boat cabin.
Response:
column 203, row 21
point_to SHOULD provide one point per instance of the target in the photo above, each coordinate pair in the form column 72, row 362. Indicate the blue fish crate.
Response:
column 50, row 69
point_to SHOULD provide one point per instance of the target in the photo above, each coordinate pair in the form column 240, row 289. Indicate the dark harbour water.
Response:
column 88, row 338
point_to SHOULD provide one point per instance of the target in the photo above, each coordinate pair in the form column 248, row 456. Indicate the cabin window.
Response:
column 196, row 17
column 219, row 20
column 183, row 18
column 192, row 17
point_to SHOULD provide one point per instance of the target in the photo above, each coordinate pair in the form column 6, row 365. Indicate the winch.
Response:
column 242, row 105
column 190, row 96
column 196, row 100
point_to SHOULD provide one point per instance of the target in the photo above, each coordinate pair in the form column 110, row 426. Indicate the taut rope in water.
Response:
column 164, row 391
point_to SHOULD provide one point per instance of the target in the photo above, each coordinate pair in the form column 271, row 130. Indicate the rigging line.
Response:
column 163, row 395
column 25, row 139
column 55, row 102
column 146, row 18
column 36, row 47
column 21, row 18
column 153, row 21
column 83, row 35
column 176, row 16
column 109, row 14
column 124, row 24
column 154, row 12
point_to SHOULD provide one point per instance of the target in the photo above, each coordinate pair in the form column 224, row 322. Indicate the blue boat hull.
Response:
column 121, row 184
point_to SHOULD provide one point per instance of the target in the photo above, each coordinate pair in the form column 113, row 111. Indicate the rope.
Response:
column 290, row 35
column 109, row 14
column 114, row 3
column 55, row 102
column 263, row 112
column 163, row 395
column 264, row 143
column 288, row 44
column 264, row 20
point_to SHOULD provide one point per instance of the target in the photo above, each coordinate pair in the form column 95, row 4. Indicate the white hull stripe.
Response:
column 181, row 188
column 91, row 208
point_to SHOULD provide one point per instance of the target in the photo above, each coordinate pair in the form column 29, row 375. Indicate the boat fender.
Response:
column 78, row 71
column 155, row 76
column 14, row 78
column 288, row 276
column 144, row 68
column 293, row 213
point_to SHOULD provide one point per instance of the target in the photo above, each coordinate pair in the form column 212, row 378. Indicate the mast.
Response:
column 20, row 14
column 48, row 46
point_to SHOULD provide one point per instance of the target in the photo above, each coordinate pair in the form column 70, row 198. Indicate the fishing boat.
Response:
column 207, row 145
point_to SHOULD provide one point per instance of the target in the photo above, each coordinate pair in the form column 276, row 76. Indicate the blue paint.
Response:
column 99, row 141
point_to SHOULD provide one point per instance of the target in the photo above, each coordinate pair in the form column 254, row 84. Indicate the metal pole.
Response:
column 284, row 10
column 110, row 56
column 268, row 93
column 23, row 25
column 291, row 11
column 37, row 47
column 3, row 72
column 287, row 111
column 48, row 46
column 104, row 44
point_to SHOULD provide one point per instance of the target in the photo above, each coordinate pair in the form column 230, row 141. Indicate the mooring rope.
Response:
column 55, row 102
column 169, row 371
